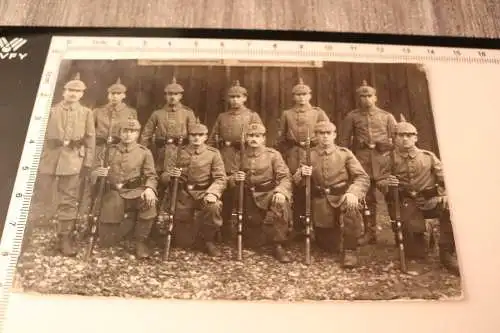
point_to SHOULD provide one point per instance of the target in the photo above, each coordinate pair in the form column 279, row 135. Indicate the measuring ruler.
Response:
column 95, row 48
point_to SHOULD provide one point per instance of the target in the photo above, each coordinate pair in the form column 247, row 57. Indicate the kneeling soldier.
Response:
column 268, row 190
column 419, row 175
column 338, row 183
column 129, row 202
column 202, row 180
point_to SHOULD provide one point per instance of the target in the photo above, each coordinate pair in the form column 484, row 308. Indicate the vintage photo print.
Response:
column 241, row 179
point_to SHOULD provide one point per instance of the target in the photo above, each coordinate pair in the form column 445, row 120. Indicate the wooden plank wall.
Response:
column 401, row 88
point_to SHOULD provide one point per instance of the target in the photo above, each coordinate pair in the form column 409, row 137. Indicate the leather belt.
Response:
column 262, row 187
column 56, row 143
column 337, row 189
column 196, row 187
column 129, row 184
column 426, row 193
column 100, row 141
column 167, row 141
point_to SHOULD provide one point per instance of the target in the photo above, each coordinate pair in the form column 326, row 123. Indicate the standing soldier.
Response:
column 131, row 194
column 107, row 125
column 419, row 175
column 68, row 153
column 338, row 184
column 295, row 124
column 368, row 132
column 167, row 127
column 226, row 136
column 202, row 180
column 268, row 191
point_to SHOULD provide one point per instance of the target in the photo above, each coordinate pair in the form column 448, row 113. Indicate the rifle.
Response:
column 96, row 205
column 397, row 225
column 307, row 214
column 238, row 214
column 170, row 214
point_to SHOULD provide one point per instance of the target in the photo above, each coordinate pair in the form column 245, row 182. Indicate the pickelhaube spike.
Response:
column 402, row 118
column 76, row 83
column 236, row 89
column 301, row 87
column 174, row 80
column 77, row 76
column 118, row 81
column 301, row 81
column 364, row 83
column 237, row 83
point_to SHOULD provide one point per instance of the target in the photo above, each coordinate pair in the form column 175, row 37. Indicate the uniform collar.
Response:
column 237, row 110
column 369, row 111
column 327, row 150
column 254, row 152
column 173, row 107
column 125, row 149
column 118, row 107
column 412, row 153
column 302, row 108
column 67, row 107
column 196, row 150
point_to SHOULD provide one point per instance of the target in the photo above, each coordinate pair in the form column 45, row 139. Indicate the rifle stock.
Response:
column 307, row 213
column 95, row 209
column 170, row 214
column 241, row 199
column 397, row 224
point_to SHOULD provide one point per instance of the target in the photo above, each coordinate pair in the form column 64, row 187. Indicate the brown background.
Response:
column 429, row 17
column 401, row 89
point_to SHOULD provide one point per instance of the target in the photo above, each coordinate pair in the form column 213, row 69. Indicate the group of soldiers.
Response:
column 205, row 178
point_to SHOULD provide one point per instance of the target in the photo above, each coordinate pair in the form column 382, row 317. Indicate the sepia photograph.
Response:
column 250, row 180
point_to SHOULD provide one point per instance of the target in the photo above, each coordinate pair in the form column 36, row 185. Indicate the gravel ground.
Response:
column 194, row 275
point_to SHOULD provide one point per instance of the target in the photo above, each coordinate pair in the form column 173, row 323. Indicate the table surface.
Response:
column 471, row 18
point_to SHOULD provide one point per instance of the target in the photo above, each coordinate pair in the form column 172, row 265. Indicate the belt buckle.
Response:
column 110, row 139
column 371, row 145
column 119, row 186
column 302, row 143
column 170, row 140
column 413, row 194
column 227, row 143
column 66, row 143
column 327, row 191
column 190, row 187
column 252, row 189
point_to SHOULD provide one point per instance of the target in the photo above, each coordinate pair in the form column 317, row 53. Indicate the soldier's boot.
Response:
column 212, row 250
column 280, row 254
column 449, row 261
column 349, row 259
column 66, row 241
column 141, row 234
column 141, row 249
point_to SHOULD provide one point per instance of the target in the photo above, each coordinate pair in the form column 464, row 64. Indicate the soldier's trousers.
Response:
column 262, row 227
column 336, row 227
column 119, row 217
column 195, row 221
column 370, row 221
column 414, row 228
column 57, row 196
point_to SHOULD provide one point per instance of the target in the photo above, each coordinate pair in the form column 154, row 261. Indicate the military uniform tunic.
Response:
column 368, row 134
column 420, row 174
column 107, row 121
column 336, row 171
column 131, row 166
column 168, row 123
column 294, row 125
column 266, row 175
column 69, row 146
column 228, row 127
column 202, row 173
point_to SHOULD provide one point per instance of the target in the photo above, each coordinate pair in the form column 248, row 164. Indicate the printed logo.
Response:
column 8, row 49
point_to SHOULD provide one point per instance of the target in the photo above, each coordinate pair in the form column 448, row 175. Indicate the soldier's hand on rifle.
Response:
column 210, row 198
column 306, row 170
column 100, row 172
column 351, row 201
column 174, row 172
column 149, row 197
column 392, row 181
column 279, row 198
column 239, row 176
